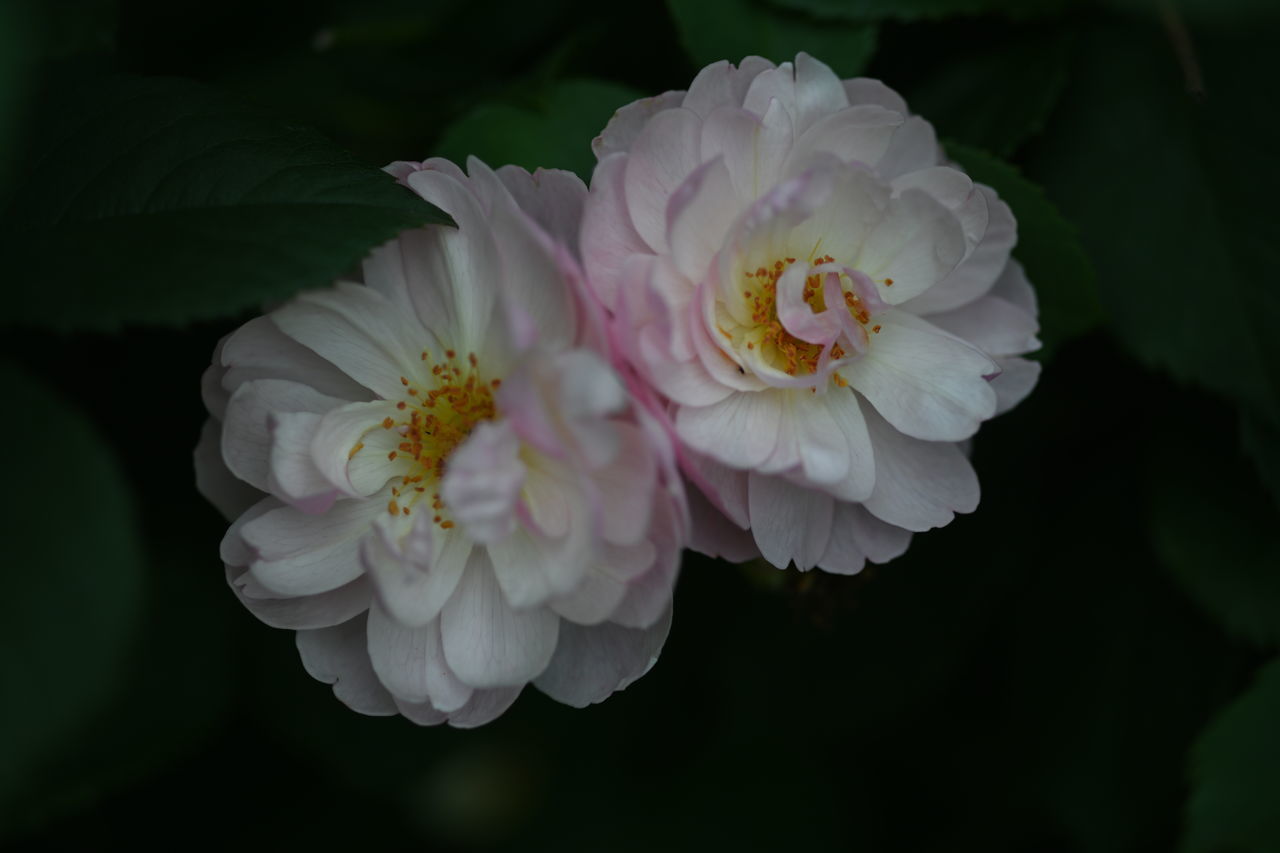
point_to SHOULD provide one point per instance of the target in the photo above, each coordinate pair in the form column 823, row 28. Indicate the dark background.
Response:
column 1084, row 664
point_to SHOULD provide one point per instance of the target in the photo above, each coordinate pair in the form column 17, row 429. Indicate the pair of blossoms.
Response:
column 766, row 330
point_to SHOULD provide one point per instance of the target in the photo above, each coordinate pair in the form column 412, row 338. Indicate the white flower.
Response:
column 460, row 497
column 828, row 307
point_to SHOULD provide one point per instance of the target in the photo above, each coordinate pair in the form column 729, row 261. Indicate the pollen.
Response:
column 434, row 418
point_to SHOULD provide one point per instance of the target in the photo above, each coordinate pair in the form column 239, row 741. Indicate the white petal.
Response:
column 412, row 592
column 229, row 494
column 976, row 274
column 919, row 484
column 293, row 474
column 790, row 523
column 715, row 535
column 698, row 217
column 591, row 663
column 300, row 554
column 351, row 447
column 663, row 156
column 625, row 125
column 306, row 612
column 913, row 146
column 992, row 325
column 486, row 642
column 915, row 246
column 410, row 663
column 483, row 481
column 854, row 135
column 847, row 413
column 259, row 350
column 246, row 431
column 553, row 198
column 627, row 487
column 1017, row 377
column 338, row 656
column 865, row 90
column 926, row 383
column 741, row 430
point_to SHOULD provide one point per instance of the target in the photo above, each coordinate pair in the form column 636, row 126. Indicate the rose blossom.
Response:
column 436, row 477
column 826, row 305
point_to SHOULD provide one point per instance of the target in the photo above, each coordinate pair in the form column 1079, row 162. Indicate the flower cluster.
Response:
column 467, row 471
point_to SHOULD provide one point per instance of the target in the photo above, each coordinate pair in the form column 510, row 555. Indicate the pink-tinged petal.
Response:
column 415, row 572
column 292, row 471
column 626, row 487
column 588, row 387
column 649, row 595
column 360, row 332
column 923, row 381
column 790, row 522
column 259, row 350
column 410, row 663
column 992, row 325
column 754, row 148
column 246, row 432
column 913, row 146
column 1012, row 286
column 919, row 484
column 338, row 656
column 976, row 274
column 699, row 215
column 865, row 90
column 483, row 481
column 714, row 534
column 230, row 495
column 956, row 192
column 827, row 433
column 307, row 612
column 351, row 447
column 663, row 156
column 627, row 123
column 854, row 135
column 486, row 642
column 608, row 237
column 533, row 283
column 553, row 198
column 720, row 84
column 843, row 406
column 591, row 663
column 741, row 430
column 851, row 211
column 1017, row 377
column 456, row 271
column 915, row 246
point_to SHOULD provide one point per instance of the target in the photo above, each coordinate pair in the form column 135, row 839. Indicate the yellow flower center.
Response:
column 435, row 418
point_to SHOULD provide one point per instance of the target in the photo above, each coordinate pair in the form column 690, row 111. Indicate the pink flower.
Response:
column 826, row 305
column 436, row 477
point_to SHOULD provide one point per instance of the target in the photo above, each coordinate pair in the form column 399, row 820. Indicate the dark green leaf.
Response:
column 1175, row 200
column 911, row 10
column 1215, row 529
column 1235, row 771
column 1047, row 247
column 556, row 134
column 72, row 578
column 1261, row 441
column 161, row 201
column 731, row 29
column 997, row 97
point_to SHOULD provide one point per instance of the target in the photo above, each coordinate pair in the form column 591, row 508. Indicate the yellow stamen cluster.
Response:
column 433, row 422
column 792, row 355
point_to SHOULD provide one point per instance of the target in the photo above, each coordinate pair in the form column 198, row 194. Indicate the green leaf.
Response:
column 72, row 577
column 1214, row 528
column 912, row 10
column 1235, row 771
column 1047, row 247
column 555, row 134
column 159, row 201
column 712, row 30
column 1174, row 196
column 996, row 97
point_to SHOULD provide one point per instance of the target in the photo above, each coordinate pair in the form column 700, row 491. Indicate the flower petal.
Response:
column 608, row 237
column 625, row 125
column 914, row 247
column 338, row 656
column 591, row 663
column 410, row 663
column 1017, row 377
column 926, row 383
column 483, row 481
column 919, row 484
column 230, row 495
column 307, row 612
column 741, row 430
column 663, row 156
column 790, row 523
column 486, row 642
column 411, row 590
column 246, row 432
column 698, row 217
column 976, row 274
column 300, row 554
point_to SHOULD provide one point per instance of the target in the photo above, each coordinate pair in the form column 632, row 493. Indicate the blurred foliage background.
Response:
column 1085, row 664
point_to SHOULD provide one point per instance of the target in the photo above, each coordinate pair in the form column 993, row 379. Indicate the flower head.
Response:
column 436, row 476
column 827, row 306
